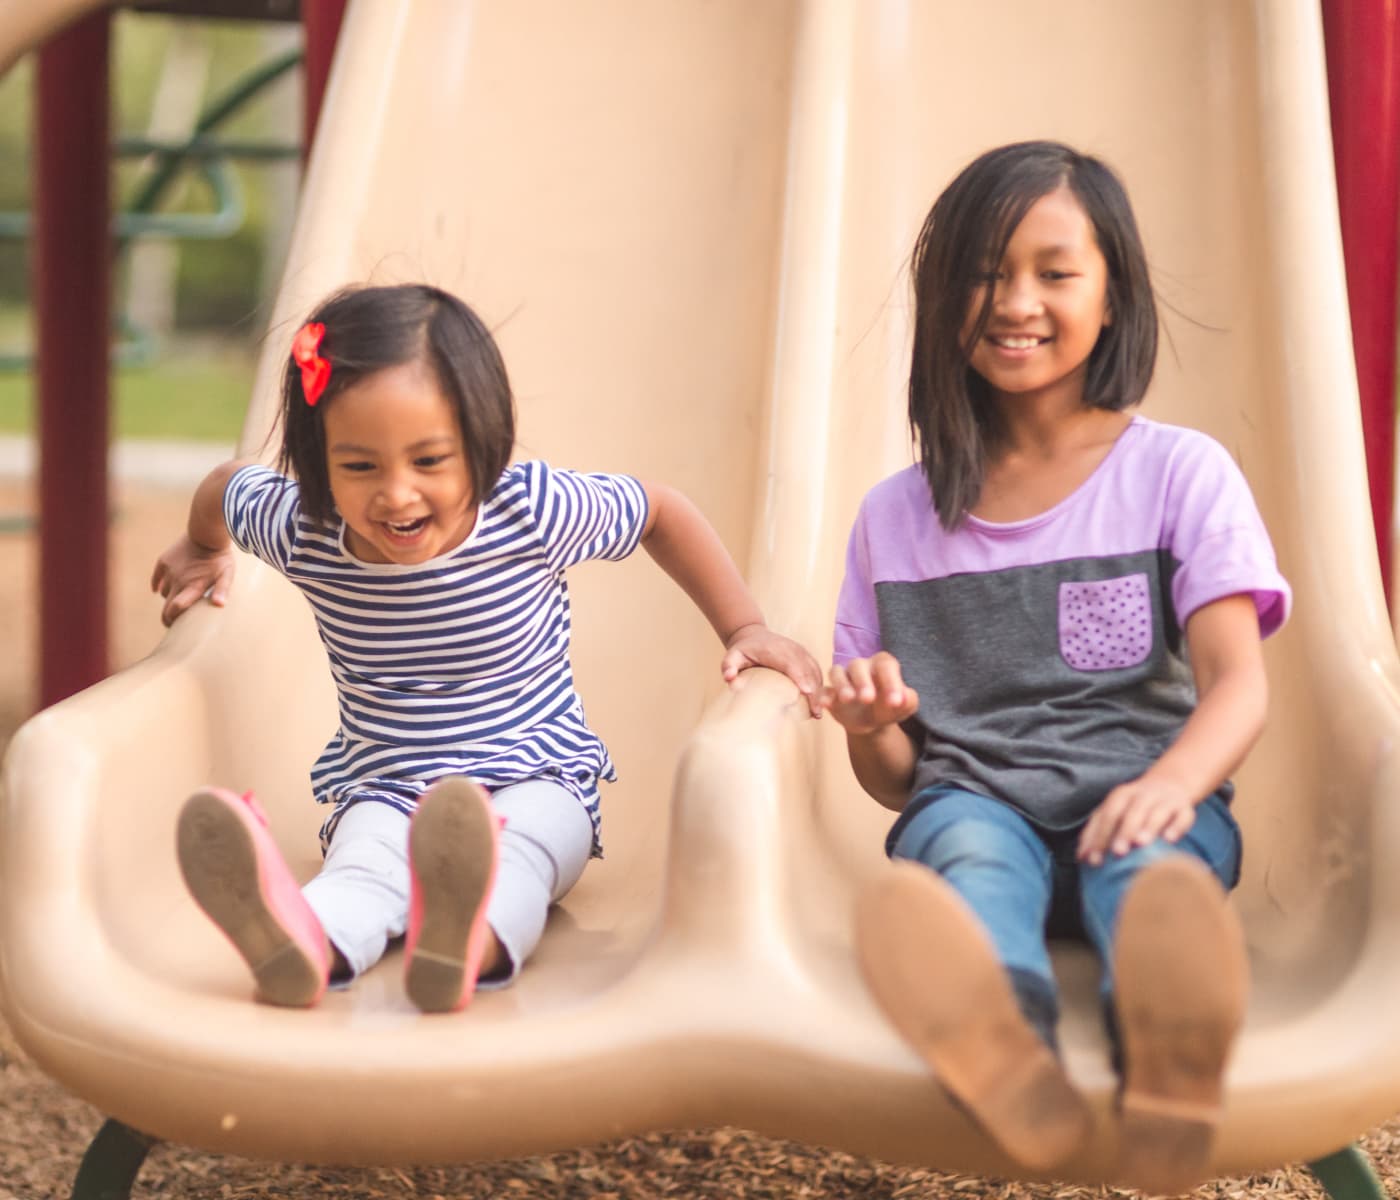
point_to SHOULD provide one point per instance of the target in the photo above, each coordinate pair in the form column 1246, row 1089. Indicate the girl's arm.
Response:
column 688, row 549
column 869, row 697
column 200, row 562
column 1232, row 701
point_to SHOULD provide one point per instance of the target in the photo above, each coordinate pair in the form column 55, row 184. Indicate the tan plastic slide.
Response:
column 689, row 224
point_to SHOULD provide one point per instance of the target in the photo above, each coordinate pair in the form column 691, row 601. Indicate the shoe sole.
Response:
column 933, row 970
column 1181, row 980
column 452, row 849
column 219, row 860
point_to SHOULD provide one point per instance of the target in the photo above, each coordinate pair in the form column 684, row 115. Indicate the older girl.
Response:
column 1048, row 661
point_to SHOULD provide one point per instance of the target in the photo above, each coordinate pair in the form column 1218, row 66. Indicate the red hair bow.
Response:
column 306, row 353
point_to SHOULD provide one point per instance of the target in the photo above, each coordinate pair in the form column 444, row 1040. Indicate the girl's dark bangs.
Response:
column 1006, row 212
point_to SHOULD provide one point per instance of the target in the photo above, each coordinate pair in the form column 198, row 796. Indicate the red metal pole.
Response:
column 1363, row 51
column 320, row 22
column 71, row 258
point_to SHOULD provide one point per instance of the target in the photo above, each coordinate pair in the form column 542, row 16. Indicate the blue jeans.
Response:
column 1024, row 883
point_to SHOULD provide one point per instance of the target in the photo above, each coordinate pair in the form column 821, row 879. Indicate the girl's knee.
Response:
column 1215, row 840
column 547, row 835
column 960, row 846
column 1221, row 858
column 956, row 842
column 1130, row 864
column 516, row 913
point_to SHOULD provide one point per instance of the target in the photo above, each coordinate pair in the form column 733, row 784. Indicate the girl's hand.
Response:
column 188, row 571
column 758, row 646
column 867, row 694
column 1136, row 814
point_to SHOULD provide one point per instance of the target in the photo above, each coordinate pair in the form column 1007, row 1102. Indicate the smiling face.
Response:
column 397, row 467
column 1048, row 305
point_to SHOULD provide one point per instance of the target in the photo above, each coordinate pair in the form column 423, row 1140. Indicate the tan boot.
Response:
column 933, row 970
column 1181, row 979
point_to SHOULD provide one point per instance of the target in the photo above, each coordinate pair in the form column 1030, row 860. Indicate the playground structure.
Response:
column 688, row 224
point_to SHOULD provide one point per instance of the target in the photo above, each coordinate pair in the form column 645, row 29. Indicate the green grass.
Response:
column 186, row 397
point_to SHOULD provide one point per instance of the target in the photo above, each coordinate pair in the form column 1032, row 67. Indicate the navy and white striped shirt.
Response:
column 458, row 665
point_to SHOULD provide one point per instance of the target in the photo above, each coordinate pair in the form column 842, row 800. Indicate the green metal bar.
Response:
column 217, row 112
column 212, row 158
column 135, row 346
column 224, row 220
column 1348, row 1175
column 112, row 1162
column 202, row 147
column 139, row 221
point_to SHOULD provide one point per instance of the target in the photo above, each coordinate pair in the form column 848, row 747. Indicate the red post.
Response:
column 1363, row 50
column 320, row 22
column 71, row 256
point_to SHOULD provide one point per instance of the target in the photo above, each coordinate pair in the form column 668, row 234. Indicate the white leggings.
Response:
column 362, row 892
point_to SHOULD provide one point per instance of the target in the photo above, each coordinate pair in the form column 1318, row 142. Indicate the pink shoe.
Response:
column 452, row 845
column 239, row 878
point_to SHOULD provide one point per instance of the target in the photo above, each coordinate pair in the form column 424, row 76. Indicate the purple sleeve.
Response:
column 1220, row 542
column 857, row 621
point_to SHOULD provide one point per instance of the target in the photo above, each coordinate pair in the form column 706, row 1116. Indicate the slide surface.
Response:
column 689, row 225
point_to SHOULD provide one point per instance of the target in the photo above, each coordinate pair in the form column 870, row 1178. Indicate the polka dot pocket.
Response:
column 1106, row 624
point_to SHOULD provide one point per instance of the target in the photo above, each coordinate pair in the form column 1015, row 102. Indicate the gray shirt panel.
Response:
column 1042, row 686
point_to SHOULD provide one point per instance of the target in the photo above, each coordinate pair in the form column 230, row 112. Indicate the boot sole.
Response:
column 452, row 849
column 1181, row 981
column 219, row 861
column 933, row 970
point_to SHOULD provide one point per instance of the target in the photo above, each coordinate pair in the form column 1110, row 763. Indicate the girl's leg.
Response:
column 480, row 892
column 545, row 844
column 955, row 956
column 361, row 894
column 1175, row 983
column 992, row 857
column 1214, row 840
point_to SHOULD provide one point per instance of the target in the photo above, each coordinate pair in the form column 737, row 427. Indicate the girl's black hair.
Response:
column 371, row 328
column 954, row 421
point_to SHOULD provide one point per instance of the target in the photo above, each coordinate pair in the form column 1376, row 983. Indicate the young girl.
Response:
column 1047, row 659
column 463, row 777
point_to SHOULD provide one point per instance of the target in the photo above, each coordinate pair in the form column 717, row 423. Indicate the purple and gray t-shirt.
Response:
column 1048, row 654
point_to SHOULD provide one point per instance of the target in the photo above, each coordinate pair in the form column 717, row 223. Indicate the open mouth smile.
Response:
column 1008, row 341
column 406, row 529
